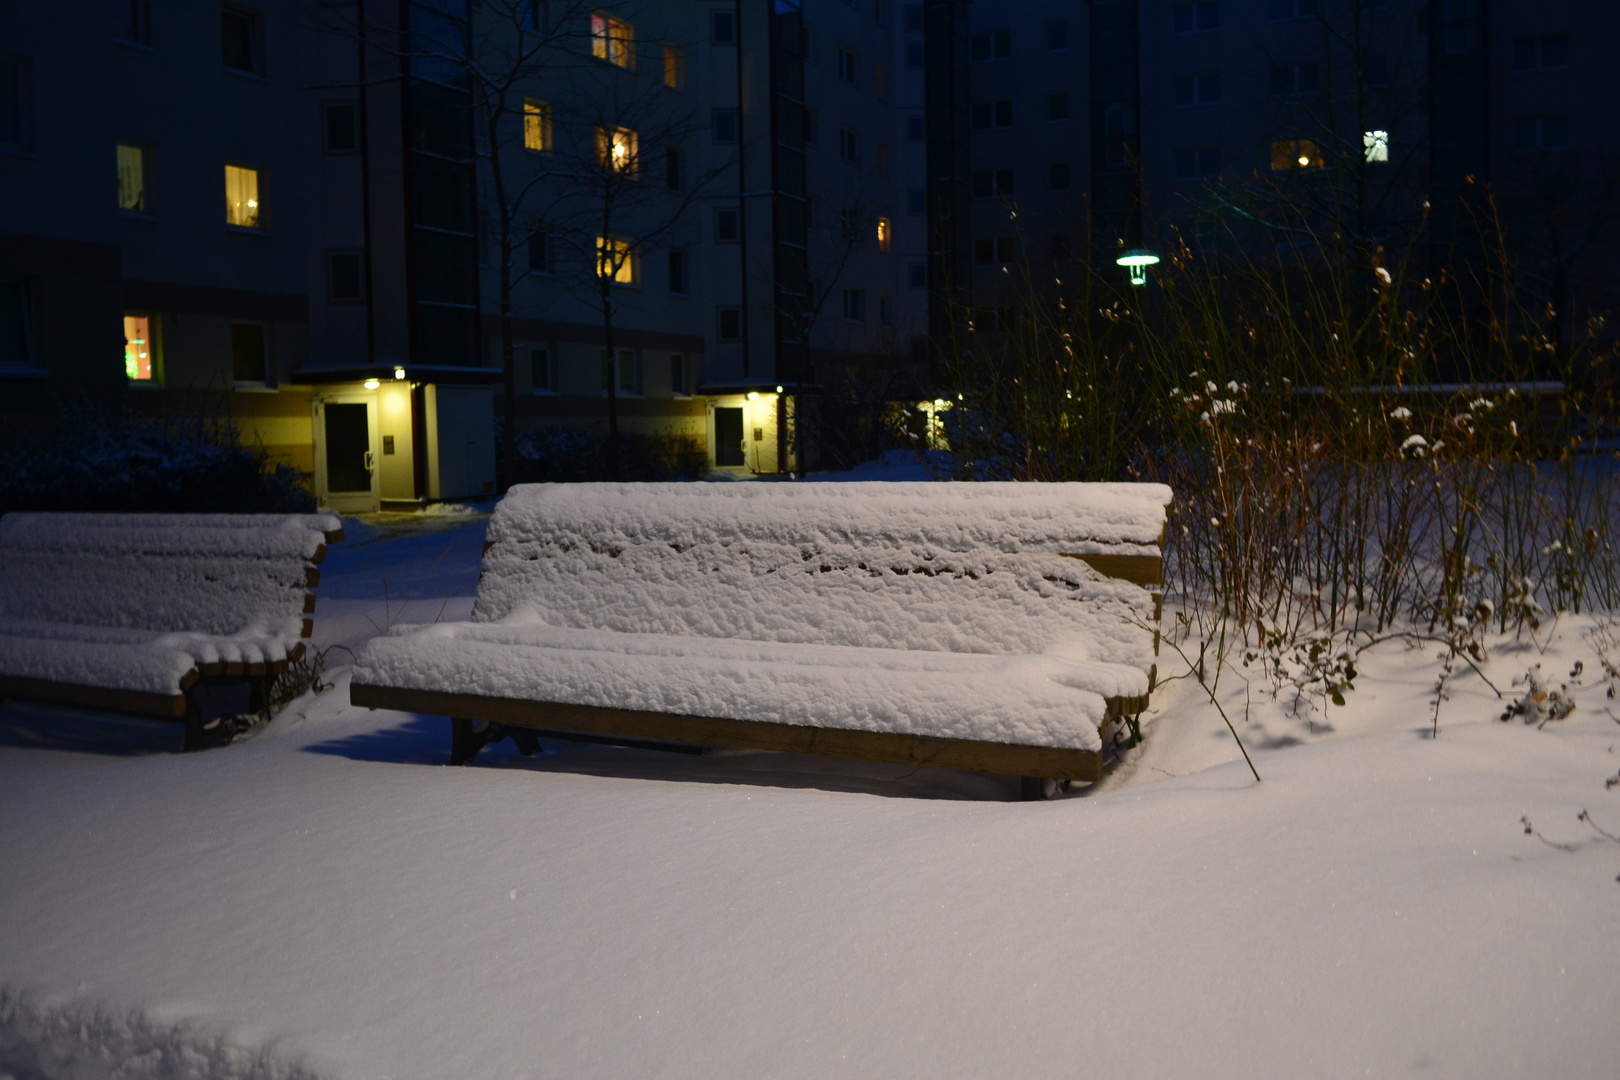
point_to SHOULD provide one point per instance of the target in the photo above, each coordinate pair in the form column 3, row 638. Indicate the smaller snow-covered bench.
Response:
column 129, row 612
column 993, row 627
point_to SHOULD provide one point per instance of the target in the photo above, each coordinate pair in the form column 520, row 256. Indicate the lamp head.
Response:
column 1137, row 260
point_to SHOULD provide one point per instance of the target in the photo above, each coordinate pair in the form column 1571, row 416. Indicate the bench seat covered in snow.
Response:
column 129, row 612
column 987, row 626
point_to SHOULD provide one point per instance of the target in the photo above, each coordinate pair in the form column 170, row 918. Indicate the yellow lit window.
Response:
column 138, row 347
column 536, row 126
column 617, row 260
column 242, row 197
column 612, row 40
column 674, row 67
column 885, row 234
column 616, row 150
column 131, row 178
column 1296, row 154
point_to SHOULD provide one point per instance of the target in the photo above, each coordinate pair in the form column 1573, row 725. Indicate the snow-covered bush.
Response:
column 100, row 458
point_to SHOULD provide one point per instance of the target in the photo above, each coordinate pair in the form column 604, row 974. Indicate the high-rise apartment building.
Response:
column 293, row 208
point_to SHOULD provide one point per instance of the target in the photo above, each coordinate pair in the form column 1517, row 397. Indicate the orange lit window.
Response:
column 616, row 259
column 1296, row 154
column 616, row 150
column 612, row 40
column 674, row 67
column 242, row 197
column 885, row 234
column 536, row 125
column 138, row 347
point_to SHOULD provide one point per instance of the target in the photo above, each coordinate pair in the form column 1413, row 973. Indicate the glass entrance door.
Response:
column 345, row 452
column 728, row 437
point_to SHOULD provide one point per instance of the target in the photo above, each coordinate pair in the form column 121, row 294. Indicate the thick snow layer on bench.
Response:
column 1048, row 700
column 1073, row 518
column 980, row 602
column 159, row 572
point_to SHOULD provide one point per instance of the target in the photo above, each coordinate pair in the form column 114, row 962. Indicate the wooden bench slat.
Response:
column 1001, row 758
column 94, row 697
column 1137, row 569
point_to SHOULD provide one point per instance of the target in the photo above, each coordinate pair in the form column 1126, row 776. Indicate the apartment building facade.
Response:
column 1111, row 123
column 291, row 208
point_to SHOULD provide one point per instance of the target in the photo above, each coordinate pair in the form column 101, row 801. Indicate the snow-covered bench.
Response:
column 993, row 627
column 129, row 612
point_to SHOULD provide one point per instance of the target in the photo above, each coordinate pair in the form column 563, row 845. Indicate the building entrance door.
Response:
column 346, row 475
column 728, row 438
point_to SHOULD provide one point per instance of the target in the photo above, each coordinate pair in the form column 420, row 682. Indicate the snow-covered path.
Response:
column 1372, row 908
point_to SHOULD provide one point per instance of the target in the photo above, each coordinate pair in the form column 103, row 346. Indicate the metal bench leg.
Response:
column 1036, row 788
column 467, row 737
column 196, row 736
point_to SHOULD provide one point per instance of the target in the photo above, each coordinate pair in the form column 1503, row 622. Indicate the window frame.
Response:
column 23, row 71
column 631, row 264
column 679, row 280
column 154, row 335
column 333, row 254
column 266, row 356
column 537, row 127
column 256, row 51
column 327, row 107
column 260, row 225
column 674, row 68
column 144, row 210
column 618, row 49
column 548, row 362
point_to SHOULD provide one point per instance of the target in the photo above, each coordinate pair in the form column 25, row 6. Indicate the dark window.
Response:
column 728, row 324
column 916, row 128
column 995, row 45
column 916, row 202
column 725, row 125
column 1375, row 69
column 1295, row 80
column 849, row 66
column 137, row 25
column 918, row 275
column 343, row 276
column 1057, row 36
column 914, row 18
column 248, row 352
column 1277, row 10
column 12, row 84
column 239, row 39
column 1057, row 106
column 727, row 228
column 341, row 132
column 1203, row 88
column 1198, row 18
column 1057, row 175
column 886, row 310
column 1197, row 162
column 722, row 27
column 989, row 183
column 677, row 273
column 677, row 374
column 674, row 171
column 849, row 145
column 1550, row 132
column 1119, row 129
column 15, row 334
column 992, row 114
column 994, row 251
column 1539, row 53
column 540, row 253
column 855, row 305
column 540, row 369
column 914, row 54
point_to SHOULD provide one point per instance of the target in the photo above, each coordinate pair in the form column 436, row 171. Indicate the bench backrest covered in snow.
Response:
column 128, row 611
column 922, row 622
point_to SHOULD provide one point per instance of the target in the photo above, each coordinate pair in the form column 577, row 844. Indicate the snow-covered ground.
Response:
column 326, row 899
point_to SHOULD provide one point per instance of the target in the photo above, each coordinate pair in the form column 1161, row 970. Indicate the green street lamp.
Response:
column 1137, row 260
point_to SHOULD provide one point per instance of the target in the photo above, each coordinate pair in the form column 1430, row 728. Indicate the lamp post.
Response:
column 1137, row 260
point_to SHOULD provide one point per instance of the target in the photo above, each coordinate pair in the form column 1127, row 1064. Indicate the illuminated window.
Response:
column 612, row 40
column 537, row 126
column 674, row 67
column 131, row 179
column 1376, row 143
column 242, row 207
column 616, row 150
column 1295, row 154
column 138, row 347
column 617, row 259
column 885, row 234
